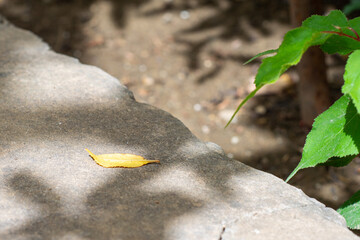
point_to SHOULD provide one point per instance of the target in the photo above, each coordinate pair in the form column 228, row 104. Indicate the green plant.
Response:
column 335, row 136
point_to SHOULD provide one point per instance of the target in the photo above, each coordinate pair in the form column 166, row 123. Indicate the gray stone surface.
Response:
column 52, row 107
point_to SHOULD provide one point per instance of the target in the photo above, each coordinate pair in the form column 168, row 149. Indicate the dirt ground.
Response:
column 186, row 57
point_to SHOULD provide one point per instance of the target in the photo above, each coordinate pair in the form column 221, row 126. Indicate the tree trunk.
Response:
column 313, row 89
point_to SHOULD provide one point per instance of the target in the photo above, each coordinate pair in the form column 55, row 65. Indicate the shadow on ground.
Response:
column 234, row 19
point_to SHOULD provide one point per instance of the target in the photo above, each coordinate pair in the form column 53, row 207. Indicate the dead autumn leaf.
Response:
column 120, row 160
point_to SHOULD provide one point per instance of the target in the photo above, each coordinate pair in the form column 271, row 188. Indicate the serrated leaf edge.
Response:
column 301, row 164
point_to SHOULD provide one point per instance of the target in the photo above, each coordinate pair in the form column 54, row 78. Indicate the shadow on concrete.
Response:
column 118, row 207
column 110, row 212
column 45, row 132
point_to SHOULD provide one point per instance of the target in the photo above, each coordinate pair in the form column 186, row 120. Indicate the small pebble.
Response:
column 234, row 140
column 184, row 15
column 208, row 63
column 236, row 44
column 197, row 107
column 205, row 129
column 260, row 109
column 148, row 81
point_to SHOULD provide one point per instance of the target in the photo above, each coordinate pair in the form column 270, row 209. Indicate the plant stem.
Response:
column 353, row 30
column 357, row 38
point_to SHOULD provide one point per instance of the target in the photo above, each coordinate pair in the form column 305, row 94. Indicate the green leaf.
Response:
column 339, row 161
column 242, row 103
column 343, row 44
column 295, row 43
column 335, row 133
column 350, row 210
column 261, row 54
column 326, row 23
column 352, row 78
column 355, row 23
column 340, row 44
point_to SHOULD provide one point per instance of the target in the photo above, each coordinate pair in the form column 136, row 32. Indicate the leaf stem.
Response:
column 357, row 38
column 353, row 30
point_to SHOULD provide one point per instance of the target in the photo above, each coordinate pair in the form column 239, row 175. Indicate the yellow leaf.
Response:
column 120, row 160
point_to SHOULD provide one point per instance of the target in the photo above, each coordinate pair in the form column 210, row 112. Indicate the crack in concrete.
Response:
column 222, row 232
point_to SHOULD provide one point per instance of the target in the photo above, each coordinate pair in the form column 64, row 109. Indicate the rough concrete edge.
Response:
column 5, row 22
column 48, row 50
column 331, row 213
column 319, row 210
